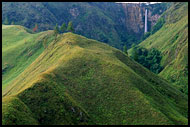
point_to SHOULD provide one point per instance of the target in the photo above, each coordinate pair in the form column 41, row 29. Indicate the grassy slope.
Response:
column 19, row 49
column 172, row 41
column 82, row 81
column 15, row 110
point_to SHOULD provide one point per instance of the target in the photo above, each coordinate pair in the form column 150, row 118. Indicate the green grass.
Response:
column 20, row 49
column 101, row 84
column 16, row 112
column 172, row 41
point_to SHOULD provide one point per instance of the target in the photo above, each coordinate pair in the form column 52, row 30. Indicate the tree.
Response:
column 35, row 28
column 12, row 23
column 125, row 49
column 45, row 43
column 135, row 55
column 63, row 28
column 56, row 31
column 6, row 22
column 133, row 45
column 148, row 58
column 70, row 27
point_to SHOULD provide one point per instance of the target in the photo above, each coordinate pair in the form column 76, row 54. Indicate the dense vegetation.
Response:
column 162, row 6
column 154, row 29
column 103, row 21
column 148, row 58
column 76, row 80
column 172, row 41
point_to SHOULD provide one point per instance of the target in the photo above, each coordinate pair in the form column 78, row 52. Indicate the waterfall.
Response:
column 145, row 28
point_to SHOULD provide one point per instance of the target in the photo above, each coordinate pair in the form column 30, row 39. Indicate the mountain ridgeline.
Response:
column 116, row 24
column 82, row 77
column 76, row 80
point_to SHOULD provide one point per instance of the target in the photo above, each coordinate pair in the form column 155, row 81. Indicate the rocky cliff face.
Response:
column 135, row 16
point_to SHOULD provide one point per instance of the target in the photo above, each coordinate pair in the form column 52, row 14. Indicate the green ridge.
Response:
column 20, row 49
column 77, row 80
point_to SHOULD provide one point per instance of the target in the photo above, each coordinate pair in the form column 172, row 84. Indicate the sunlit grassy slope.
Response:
column 19, row 49
column 172, row 41
column 76, row 80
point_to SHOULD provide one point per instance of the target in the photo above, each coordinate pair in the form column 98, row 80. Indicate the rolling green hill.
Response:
column 76, row 80
column 172, row 41
column 19, row 49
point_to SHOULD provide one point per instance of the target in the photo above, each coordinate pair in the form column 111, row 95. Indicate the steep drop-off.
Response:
column 77, row 80
column 172, row 41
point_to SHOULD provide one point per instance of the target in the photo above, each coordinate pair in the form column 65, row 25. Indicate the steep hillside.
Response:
column 172, row 41
column 109, row 22
column 20, row 47
column 76, row 80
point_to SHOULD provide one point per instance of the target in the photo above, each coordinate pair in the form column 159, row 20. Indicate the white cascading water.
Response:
column 145, row 29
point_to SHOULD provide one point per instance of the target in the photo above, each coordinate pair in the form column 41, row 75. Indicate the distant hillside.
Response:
column 109, row 22
column 172, row 41
column 76, row 80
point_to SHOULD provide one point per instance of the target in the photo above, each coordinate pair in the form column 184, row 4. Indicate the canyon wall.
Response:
column 135, row 17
